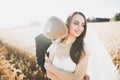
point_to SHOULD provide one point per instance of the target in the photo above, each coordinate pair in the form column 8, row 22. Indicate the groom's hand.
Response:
column 52, row 76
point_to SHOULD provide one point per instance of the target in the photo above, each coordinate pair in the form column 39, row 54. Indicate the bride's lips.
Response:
column 77, row 31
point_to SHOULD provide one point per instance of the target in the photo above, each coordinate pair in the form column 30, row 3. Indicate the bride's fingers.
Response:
column 46, row 60
column 47, row 66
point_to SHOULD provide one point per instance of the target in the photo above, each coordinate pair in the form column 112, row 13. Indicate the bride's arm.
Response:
column 64, row 75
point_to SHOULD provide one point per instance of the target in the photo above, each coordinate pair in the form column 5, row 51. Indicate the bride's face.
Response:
column 77, row 25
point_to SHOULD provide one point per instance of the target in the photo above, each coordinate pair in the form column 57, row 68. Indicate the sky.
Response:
column 22, row 12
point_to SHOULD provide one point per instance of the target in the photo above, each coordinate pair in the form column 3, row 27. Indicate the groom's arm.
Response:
column 52, row 76
column 79, row 73
column 42, row 44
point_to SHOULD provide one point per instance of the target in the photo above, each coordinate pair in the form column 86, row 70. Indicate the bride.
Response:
column 79, row 55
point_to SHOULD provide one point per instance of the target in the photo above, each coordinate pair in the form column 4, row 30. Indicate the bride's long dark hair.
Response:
column 77, row 48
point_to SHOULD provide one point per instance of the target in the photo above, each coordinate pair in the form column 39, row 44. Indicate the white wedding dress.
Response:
column 100, row 65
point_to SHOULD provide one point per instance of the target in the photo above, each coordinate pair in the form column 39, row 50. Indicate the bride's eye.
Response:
column 76, row 23
column 83, row 25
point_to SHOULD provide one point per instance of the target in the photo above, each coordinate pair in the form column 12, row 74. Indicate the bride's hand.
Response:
column 49, row 70
column 48, row 65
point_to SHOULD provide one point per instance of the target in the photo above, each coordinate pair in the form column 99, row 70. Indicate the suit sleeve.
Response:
column 42, row 44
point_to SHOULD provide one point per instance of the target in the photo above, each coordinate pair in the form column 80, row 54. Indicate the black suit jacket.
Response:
column 42, row 44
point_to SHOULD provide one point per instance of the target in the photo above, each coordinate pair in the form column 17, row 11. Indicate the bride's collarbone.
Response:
column 60, row 56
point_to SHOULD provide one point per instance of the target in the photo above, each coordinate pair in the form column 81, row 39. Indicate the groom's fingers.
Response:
column 51, row 75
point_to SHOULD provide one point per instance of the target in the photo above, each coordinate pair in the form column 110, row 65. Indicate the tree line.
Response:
column 115, row 18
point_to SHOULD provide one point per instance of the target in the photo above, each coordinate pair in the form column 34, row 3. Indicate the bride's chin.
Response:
column 77, row 35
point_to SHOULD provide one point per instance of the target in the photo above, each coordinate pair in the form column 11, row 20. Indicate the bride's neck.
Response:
column 69, row 39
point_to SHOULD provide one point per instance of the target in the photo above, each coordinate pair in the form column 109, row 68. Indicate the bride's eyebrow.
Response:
column 83, row 23
column 76, row 21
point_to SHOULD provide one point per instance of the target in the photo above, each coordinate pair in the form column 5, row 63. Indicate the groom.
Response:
column 53, row 29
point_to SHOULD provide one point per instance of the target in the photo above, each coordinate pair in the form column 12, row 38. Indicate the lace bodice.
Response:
column 65, row 62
